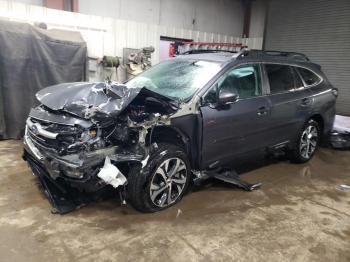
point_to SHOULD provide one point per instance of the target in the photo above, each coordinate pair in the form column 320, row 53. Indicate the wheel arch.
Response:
column 320, row 121
column 171, row 135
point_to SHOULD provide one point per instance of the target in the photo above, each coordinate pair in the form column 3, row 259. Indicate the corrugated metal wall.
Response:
column 321, row 30
column 108, row 36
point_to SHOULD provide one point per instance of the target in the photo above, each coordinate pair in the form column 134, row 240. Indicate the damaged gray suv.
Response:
column 176, row 122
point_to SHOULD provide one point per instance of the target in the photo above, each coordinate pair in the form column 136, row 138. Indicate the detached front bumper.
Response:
column 77, row 170
column 55, row 171
column 70, row 170
column 69, row 182
column 63, row 198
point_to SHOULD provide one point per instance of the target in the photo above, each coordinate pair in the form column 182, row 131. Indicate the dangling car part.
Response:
column 227, row 175
column 186, row 116
column 339, row 138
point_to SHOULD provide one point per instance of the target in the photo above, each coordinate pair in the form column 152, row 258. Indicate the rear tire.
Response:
column 162, row 182
column 307, row 143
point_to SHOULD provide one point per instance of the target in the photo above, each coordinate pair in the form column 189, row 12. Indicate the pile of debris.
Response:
column 339, row 138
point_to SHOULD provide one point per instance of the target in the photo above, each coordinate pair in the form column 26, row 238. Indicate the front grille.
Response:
column 57, row 128
column 67, row 135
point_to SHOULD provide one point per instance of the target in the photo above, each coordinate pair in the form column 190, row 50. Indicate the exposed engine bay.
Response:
column 124, row 129
column 71, row 135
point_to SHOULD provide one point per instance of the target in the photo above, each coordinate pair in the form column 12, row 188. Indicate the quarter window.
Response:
column 309, row 77
column 280, row 78
column 298, row 83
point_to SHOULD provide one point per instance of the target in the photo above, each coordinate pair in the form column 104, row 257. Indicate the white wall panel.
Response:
column 30, row 2
column 220, row 16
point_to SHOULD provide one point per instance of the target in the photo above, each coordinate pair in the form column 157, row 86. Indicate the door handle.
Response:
column 305, row 101
column 262, row 111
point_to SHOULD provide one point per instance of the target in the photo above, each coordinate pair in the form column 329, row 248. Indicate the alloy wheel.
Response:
column 168, row 182
column 308, row 141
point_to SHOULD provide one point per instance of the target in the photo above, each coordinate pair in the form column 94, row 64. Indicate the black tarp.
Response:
column 31, row 59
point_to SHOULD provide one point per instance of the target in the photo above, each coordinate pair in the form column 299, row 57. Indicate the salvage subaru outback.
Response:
column 176, row 121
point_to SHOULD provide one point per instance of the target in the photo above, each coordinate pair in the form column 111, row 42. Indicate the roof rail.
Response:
column 259, row 53
column 201, row 51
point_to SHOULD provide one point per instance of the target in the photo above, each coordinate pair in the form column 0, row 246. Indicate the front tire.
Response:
column 162, row 182
column 307, row 143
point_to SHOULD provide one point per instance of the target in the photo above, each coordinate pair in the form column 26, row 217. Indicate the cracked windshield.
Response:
column 178, row 79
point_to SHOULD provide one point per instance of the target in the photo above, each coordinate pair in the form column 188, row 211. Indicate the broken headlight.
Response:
column 89, row 134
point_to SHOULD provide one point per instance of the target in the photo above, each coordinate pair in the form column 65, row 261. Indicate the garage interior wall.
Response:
column 30, row 2
column 220, row 16
column 108, row 36
column 257, row 19
column 225, row 16
column 321, row 30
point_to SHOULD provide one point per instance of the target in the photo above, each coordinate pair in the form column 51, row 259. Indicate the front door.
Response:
column 239, row 127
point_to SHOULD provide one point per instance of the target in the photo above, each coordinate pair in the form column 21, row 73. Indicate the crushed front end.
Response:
column 78, row 127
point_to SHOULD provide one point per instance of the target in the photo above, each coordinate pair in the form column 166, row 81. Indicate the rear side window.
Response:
column 280, row 77
column 310, row 78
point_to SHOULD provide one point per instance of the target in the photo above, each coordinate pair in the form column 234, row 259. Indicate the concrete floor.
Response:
column 298, row 215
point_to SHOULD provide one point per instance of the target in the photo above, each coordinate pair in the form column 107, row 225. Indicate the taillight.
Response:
column 335, row 92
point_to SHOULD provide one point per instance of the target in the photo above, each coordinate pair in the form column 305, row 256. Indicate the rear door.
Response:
column 239, row 127
column 290, row 102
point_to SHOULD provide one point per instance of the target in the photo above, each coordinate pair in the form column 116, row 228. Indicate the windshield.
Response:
column 176, row 78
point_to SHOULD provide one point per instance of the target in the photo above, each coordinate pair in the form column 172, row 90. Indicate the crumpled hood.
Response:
column 87, row 100
column 92, row 100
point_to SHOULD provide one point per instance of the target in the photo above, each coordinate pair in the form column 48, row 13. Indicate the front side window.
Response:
column 280, row 78
column 244, row 81
column 178, row 78
column 309, row 77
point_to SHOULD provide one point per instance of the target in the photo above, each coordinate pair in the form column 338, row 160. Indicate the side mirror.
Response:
column 227, row 97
